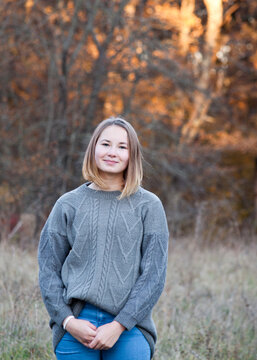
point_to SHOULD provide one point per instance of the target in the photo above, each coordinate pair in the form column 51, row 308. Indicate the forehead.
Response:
column 114, row 133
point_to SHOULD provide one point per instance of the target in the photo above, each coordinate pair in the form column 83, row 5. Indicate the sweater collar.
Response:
column 100, row 194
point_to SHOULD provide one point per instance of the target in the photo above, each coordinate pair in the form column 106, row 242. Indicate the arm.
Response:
column 150, row 283
column 53, row 249
column 52, row 252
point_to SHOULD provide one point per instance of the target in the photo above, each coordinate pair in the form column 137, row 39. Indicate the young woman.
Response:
column 103, row 254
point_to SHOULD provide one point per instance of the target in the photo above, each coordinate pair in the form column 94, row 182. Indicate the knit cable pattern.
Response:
column 108, row 252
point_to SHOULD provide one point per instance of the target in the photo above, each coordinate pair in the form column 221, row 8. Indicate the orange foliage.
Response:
column 66, row 69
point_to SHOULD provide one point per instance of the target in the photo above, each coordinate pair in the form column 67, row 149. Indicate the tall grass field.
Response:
column 208, row 309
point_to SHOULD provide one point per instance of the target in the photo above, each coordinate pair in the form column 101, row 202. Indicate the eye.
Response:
column 123, row 147
column 105, row 144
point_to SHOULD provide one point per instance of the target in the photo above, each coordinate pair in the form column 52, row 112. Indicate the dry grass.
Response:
column 207, row 311
column 209, row 307
column 24, row 330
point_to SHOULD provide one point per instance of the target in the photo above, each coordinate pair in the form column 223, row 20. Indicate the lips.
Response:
column 111, row 162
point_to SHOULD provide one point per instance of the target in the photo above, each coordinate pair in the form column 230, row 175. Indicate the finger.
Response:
column 92, row 326
column 93, row 343
column 91, row 332
column 90, row 339
column 100, row 346
column 96, row 344
column 103, row 347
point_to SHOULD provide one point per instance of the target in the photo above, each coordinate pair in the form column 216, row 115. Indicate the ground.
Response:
column 207, row 310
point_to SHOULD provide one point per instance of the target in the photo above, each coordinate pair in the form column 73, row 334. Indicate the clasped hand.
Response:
column 101, row 338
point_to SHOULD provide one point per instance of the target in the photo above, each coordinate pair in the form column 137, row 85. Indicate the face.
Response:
column 112, row 150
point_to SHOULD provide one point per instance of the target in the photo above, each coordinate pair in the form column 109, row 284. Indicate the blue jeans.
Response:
column 131, row 345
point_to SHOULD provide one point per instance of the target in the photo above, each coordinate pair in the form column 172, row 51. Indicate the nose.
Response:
column 112, row 151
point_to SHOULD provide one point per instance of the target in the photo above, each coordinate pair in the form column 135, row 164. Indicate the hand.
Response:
column 106, row 336
column 82, row 330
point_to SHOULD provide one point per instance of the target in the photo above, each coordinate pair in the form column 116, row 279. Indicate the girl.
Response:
column 103, row 254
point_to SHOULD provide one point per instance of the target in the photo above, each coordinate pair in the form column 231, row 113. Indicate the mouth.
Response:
column 110, row 162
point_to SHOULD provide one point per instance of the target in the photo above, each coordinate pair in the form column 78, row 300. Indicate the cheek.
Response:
column 126, row 158
column 99, row 152
column 98, row 156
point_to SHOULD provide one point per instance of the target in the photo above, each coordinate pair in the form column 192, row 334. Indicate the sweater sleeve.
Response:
column 150, row 283
column 52, row 252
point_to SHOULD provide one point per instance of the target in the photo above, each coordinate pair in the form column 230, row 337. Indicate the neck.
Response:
column 112, row 183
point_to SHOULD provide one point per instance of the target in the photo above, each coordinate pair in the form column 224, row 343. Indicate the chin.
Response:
column 111, row 171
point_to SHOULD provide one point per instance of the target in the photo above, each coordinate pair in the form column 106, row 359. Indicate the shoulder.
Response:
column 148, row 196
column 153, row 212
column 73, row 197
column 146, row 201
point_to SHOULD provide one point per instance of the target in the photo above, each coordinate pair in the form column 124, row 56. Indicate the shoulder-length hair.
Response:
column 134, row 172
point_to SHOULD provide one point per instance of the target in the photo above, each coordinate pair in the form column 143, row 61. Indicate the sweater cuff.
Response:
column 126, row 320
column 62, row 314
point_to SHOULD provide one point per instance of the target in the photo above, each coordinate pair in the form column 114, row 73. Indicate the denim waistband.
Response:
column 95, row 314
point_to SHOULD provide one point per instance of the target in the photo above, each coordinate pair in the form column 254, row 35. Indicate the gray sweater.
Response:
column 108, row 252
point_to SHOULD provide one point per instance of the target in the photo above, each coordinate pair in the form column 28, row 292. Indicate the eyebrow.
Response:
column 122, row 142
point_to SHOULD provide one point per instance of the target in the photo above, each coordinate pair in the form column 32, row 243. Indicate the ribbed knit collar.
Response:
column 100, row 194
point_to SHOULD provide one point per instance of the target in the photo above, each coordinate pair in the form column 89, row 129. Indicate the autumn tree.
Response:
column 183, row 72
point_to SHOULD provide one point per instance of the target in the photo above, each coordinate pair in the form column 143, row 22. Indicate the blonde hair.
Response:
column 134, row 172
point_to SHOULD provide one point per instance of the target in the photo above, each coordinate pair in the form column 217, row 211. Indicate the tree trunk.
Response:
column 186, row 15
column 255, row 194
column 203, row 97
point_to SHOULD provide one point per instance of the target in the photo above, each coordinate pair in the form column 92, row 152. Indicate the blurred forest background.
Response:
column 183, row 72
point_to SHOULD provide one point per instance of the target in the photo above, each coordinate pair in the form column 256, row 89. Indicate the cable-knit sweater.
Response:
column 111, row 253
